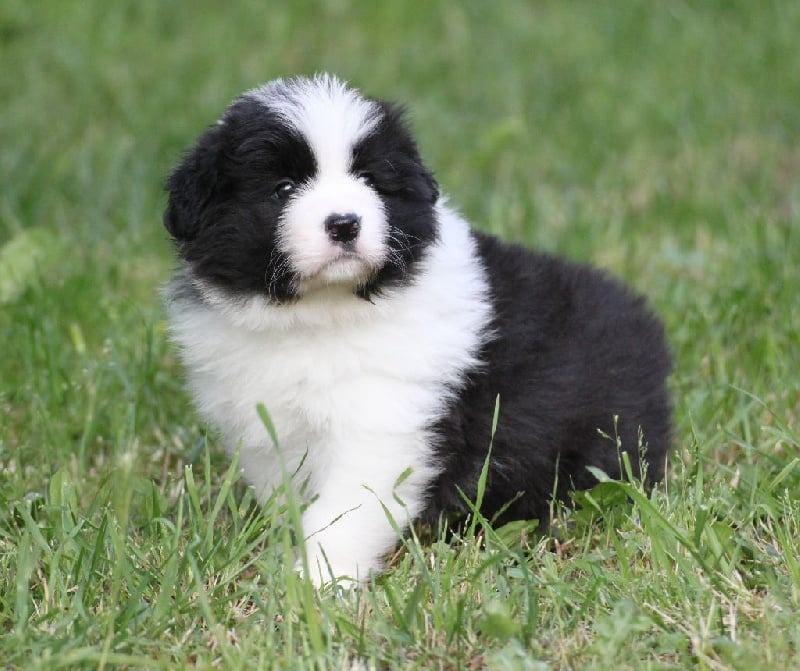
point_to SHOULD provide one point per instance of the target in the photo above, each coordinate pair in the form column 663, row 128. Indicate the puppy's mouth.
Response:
column 347, row 267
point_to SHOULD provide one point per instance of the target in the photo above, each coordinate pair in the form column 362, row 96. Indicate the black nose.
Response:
column 343, row 227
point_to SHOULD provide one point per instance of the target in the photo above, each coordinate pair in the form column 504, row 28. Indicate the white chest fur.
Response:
column 352, row 386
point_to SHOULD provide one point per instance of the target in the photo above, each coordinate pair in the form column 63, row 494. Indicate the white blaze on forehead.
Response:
column 331, row 116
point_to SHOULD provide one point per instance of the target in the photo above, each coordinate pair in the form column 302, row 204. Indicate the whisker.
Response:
column 274, row 272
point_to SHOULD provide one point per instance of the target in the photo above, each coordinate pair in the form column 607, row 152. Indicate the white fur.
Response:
column 352, row 383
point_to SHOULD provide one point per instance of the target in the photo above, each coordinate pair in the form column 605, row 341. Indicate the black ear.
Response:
column 192, row 186
column 395, row 117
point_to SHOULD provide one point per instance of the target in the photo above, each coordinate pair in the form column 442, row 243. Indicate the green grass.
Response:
column 658, row 140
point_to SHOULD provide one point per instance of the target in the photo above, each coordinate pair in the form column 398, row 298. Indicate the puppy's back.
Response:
column 580, row 365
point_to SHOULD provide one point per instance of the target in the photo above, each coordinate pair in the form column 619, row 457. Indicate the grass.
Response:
column 658, row 140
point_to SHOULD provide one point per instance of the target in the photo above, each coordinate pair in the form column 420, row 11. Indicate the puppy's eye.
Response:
column 366, row 178
column 283, row 190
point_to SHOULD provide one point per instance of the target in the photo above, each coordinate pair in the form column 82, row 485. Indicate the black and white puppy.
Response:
column 324, row 276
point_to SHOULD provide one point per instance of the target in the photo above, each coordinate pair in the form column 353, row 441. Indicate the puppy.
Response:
column 323, row 275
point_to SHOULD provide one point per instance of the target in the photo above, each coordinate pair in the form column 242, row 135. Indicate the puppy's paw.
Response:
column 345, row 572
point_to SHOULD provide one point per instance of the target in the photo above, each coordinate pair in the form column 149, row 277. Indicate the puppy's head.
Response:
column 302, row 183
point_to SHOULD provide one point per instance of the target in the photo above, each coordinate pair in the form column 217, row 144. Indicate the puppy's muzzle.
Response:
column 343, row 228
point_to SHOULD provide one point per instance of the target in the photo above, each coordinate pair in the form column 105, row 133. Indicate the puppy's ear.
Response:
column 395, row 117
column 192, row 187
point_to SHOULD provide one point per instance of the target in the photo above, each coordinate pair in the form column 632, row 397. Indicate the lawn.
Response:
column 660, row 141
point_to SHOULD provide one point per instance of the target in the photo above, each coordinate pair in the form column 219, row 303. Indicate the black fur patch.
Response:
column 573, row 348
column 221, row 211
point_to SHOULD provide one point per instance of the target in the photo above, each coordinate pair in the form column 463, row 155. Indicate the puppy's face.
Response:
column 301, row 184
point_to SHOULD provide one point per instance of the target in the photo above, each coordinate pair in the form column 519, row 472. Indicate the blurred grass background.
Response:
column 658, row 140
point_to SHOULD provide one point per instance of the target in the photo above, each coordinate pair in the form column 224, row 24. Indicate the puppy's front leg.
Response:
column 347, row 529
